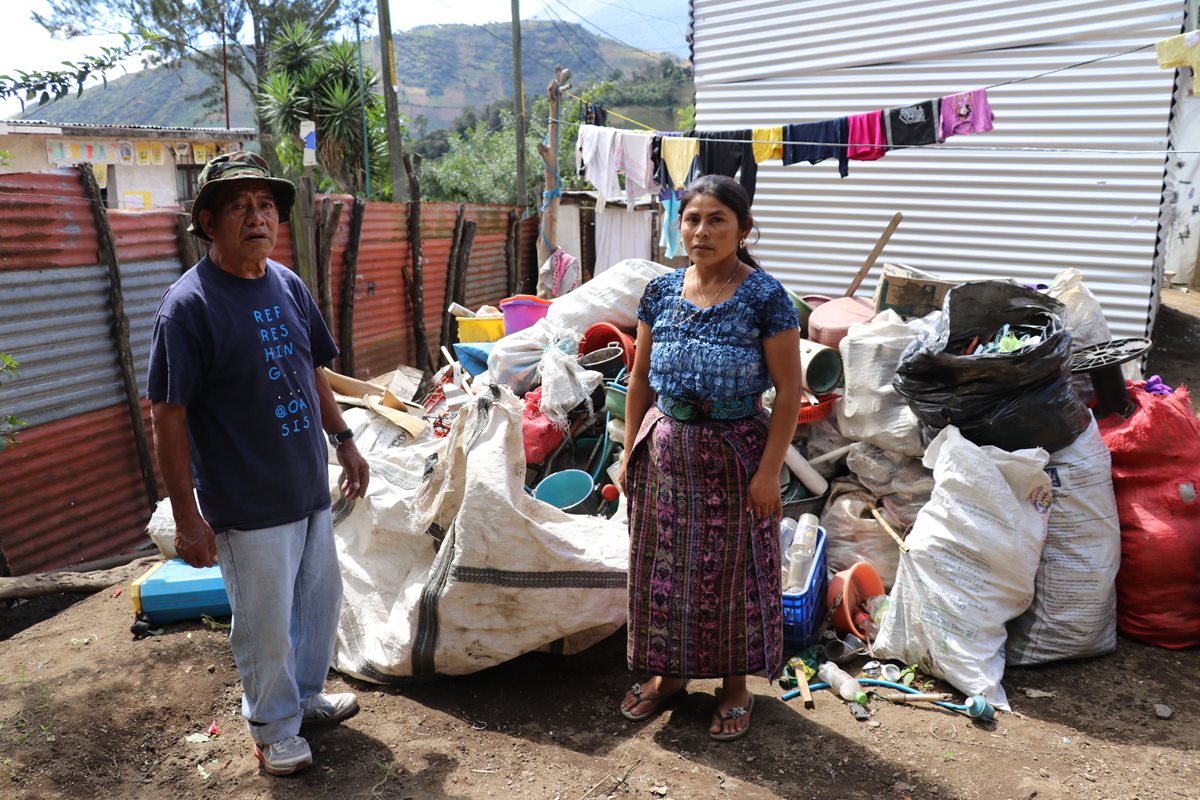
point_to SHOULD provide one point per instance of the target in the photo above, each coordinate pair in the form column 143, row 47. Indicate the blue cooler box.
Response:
column 173, row 591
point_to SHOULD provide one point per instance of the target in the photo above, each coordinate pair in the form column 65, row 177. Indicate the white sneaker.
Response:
column 285, row 756
column 329, row 709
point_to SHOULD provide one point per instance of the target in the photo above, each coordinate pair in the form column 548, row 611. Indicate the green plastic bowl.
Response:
column 614, row 399
column 803, row 309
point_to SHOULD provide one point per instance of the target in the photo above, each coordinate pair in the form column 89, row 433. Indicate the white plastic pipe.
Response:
column 804, row 472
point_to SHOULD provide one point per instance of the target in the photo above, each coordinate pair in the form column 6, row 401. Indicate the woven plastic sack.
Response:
column 1156, row 475
column 853, row 534
column 1074, row 609
column 612, row 296
column 1011, row 400
column 902, row 485
column 970, row 568
column 514, row 360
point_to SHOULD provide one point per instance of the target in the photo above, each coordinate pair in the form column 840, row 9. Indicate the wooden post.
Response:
column 518, row 105
column 416, row 279
column 512, row 242
column 303, row 226
column 191, row 247
column 349, row 284
column 451, row 265
column 331, row 215
column 120, row 327
column 391, row 107
column 559, row 84
column 459, row 287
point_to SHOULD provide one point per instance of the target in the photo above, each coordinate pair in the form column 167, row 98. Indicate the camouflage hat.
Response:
column 239, row 166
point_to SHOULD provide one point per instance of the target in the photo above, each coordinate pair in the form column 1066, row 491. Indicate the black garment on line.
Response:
column 912, row 126
column 816, row 141
column 729, row 158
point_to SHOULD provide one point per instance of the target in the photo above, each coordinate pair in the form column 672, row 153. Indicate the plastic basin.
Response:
column 608, row 361
column 480, row 329
column 854, row 585
column 522, row 311
column 571, row 490
column 614, row 399
column 603, row 334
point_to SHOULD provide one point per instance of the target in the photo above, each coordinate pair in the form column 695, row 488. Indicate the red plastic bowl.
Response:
column 602, row 334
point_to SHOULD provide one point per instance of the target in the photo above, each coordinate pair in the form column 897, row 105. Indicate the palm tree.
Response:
column 317, row 80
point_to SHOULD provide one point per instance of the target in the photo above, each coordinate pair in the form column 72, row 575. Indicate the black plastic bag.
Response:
column 1010, row 400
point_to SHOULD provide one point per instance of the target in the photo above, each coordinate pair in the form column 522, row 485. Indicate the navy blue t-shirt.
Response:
column 240, row 354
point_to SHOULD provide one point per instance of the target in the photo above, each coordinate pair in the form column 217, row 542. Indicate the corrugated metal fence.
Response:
column 72, row 491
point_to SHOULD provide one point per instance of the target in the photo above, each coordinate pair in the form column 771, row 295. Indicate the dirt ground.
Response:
column 87, row 712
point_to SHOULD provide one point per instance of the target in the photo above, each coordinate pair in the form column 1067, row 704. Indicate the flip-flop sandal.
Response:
column 733, row 713
column 657, row 698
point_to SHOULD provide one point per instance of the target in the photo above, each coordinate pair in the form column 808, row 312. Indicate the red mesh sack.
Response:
column 1156, row 474
column 540, row 434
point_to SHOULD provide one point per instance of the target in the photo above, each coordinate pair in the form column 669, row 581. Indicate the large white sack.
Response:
column 1085, row 317
column 449, row 567
column 852, row 533
column 973, row 556
column 612, row 296
column 901, row 484
column 869, row 409
column 1074, row 610
column 515, row 359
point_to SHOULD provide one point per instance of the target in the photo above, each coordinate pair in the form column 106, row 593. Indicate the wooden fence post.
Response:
column 331, row 215
column 451, row 264
column 416, row 279
column 120, row 327
column 303, row 224
column 512, row 245
column 349, row 284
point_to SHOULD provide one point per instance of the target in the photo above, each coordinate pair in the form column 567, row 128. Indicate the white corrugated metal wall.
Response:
column 977, row 206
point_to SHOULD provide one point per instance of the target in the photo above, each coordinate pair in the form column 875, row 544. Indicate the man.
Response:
column 239, row 402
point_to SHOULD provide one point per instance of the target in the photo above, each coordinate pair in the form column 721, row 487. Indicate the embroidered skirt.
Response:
column 704, row 583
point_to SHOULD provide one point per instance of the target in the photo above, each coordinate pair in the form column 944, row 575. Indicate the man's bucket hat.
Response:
column 239, row 166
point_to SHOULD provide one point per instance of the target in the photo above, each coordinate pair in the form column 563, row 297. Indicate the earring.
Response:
column 742, row 244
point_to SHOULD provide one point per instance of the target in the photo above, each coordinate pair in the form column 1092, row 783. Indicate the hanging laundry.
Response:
column 768, row 143
column 670, row 239
column 633, row 159
column 595, row 160
column 1181, row 51
column 912, row 126
column 867, row 140
column 966, row 113
column 559, row 274
column 680, row 154
column 816, row 141
column 593, row 114
column 621, row 236
column 729, row 153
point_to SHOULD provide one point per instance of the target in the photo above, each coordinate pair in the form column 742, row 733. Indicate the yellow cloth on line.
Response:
column 1181, row 51
column 768, row 143
column 678, row 152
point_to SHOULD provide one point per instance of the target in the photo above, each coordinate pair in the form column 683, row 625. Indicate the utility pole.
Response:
column 390, row 106
column 558, row 84
column 518, row 102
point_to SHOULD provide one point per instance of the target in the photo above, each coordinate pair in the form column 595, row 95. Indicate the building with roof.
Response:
column 137, row 166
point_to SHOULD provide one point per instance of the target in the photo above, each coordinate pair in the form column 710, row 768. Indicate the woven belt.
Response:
column 700, row 410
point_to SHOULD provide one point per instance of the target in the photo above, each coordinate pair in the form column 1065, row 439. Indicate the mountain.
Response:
column 658, row 27
column 441, row 69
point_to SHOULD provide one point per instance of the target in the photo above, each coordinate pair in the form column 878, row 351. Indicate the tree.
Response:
column 481, row 163
column 318, row 80
column 39, row 85
column 191, row 28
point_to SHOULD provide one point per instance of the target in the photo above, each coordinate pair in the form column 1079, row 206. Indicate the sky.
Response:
column 25, row 45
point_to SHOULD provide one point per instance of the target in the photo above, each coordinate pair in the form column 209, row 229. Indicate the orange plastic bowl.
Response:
column 602, row 334
column 854, row 586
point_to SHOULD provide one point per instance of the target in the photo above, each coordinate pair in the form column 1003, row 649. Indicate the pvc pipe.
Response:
column 831, row 455
column 812, row 480
column 981, row 713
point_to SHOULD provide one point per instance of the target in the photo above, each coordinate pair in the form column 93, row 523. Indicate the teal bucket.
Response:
column 571, row 490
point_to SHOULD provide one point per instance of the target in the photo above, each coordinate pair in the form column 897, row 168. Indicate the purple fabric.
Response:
column 966, row 113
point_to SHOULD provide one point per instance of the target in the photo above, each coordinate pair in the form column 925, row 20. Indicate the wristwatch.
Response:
column 337, row 438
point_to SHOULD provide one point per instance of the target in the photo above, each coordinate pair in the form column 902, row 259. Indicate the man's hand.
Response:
column 357, row 473
column 195, row 542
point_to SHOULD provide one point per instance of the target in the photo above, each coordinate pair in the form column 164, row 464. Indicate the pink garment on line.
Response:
column 866, row 136
column 965, row 113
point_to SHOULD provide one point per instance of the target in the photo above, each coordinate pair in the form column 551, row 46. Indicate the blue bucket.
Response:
column 571, row 490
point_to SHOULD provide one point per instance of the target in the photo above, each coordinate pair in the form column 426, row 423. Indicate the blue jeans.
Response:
column 285, row 589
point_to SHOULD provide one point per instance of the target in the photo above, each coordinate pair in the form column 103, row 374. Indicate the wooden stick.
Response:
column 416, row 280
column 925, row 697
column 890, row 530
column 349, row 284
column 870, row 262
column 451, row 265
column 36, row 585
column 805, row 692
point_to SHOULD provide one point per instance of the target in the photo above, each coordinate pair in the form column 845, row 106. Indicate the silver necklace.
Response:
column 709, row 303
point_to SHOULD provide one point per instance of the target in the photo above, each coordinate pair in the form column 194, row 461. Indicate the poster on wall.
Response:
column 135, row 200
column 101, row 173
column 143, row 153
column 200, row 153
column 54, row 151
column 156, row 154
column 125, row 154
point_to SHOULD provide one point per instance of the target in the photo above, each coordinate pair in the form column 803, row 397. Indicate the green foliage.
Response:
column 47, row 85
column 8, row 423
column 481, row 163
column 311, row 79
column 685, row 118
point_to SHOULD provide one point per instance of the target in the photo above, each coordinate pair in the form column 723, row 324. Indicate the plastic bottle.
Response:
column 787, row 535
column 840, row 681
column 800, row 556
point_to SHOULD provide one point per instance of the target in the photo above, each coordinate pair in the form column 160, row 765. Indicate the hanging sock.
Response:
column 866, row 136
column 768, row 143
column 966, row 113
column 816, row 141
column 912, row 126
column 1181, row 51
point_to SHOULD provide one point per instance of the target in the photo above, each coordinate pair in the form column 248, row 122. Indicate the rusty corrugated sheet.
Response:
column 57, row 323
column 45, row 221
column 145, row 235
column 72, row 492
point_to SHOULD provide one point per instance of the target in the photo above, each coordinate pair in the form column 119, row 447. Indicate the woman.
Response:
column 703, row 462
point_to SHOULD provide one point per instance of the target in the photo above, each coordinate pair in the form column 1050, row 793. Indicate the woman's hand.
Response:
column 763, row 495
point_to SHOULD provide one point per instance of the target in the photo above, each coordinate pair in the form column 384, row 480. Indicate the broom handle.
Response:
column 870, row 262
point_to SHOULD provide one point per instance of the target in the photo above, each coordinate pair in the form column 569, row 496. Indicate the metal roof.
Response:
column 39, row 127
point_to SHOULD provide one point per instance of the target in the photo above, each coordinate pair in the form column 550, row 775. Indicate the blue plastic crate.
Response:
column 803, row 611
